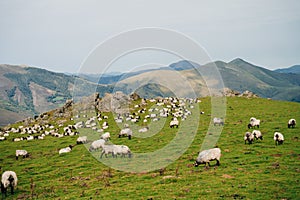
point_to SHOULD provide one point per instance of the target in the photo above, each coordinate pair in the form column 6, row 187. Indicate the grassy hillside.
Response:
column 258, row 171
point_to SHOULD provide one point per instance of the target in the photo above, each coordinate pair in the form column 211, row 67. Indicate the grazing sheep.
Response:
column 107, row 149
column 122, row 150
column 174, row 123
column 2, row 138
column 81, row 140
column 115, row 150
column 208, row 155
column 278, row 138
column 9, row 179
column 254, row 123
column 143, row 130
column 126, row 131
column 65, row 150
column 248, row 137
column 105, row 136
column 218, row 121
column 23, row 153
column 96, row 145
column 257, row 134
column 292, row 123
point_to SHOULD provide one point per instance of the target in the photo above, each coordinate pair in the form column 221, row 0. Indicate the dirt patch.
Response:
column 276, row 155
column 227, row 176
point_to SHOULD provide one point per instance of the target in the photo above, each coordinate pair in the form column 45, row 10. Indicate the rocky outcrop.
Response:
column 232, row 93
column 117, row 103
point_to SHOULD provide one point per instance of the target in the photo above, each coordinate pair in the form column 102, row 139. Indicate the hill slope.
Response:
column 257, row 171
column 28, row 91
column 238, row 75
column 294, row 69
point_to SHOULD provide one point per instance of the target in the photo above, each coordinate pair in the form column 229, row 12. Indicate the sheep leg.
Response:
column 3, row 191
column 218, row 163
column 101, row 154
column 11, row 189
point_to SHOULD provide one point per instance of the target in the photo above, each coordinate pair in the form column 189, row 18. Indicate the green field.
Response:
column 257, row 171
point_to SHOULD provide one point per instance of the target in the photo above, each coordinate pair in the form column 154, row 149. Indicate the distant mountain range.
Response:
column 294, row 69
column 27, row 91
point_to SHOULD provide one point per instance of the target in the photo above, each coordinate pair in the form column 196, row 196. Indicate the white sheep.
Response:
column 291, row 123
column 115, row 150
column 248, row 137
column 23, row 153
column 81, row 140
column 107, row 149
column 2, row 138
column 121, row 150
column 208, row 155
column 9, row 179
column 174, row 122
column 218, row 121
column 254, row 123
column 65, row 150
column 96, row 145
column 257, row 134
column 143, row 130
column 105, row 136
column 126, row 131
column 278, row 138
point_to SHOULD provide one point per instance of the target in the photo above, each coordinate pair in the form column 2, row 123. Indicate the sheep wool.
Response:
column 257, row 134
column 23, row 153
column 291, row 123
column 278, row 138
column 249, row 137
column 96, row 145
column 208, row 155
column 81, row 140
column 9, row 178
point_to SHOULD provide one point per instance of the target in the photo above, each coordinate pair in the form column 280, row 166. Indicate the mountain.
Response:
column 112, row 78
column 27, row 91
column 294, row 69
column 238, row 75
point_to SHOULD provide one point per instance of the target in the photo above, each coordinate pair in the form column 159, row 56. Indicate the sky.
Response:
column 59, row 35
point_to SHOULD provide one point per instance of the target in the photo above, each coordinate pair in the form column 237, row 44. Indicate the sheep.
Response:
column 174, row 122
column 257, row 134
column 292, row 123
column 2, row 138
column 254, row 122
column 115, row 150
column 96, row 145
column 81, row 140
column 23, row 153
column 9, row 179
column 143, row 130
column 122, row 150
column 248, row 137
column 65, row 150
column 218, row 121
column 106, row 149
column 278, row 138
column 126, row 131
column 208, row 155
column 105, row 136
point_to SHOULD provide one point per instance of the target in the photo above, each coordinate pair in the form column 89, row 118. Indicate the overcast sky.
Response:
column 59, row 35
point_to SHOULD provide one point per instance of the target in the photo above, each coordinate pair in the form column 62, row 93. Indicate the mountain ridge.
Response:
column 29, row 91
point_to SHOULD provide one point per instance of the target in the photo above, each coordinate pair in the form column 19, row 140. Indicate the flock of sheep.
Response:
column 177, row 108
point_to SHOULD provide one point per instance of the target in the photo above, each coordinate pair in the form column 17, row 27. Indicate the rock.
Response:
column 117, row 103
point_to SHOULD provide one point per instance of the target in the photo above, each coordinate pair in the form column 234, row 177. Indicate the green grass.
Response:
column 258, row 171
